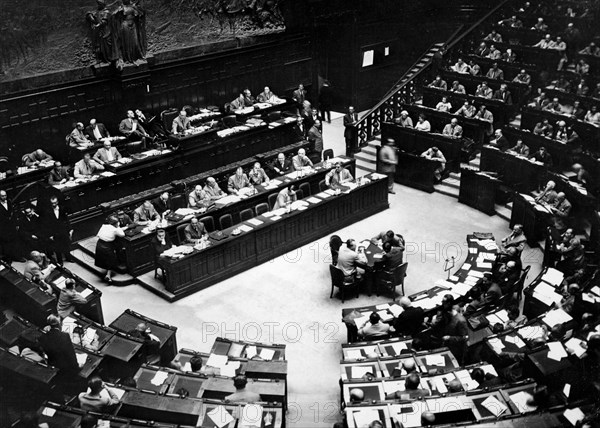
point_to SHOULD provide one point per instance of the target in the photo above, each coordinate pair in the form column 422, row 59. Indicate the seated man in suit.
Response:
column 374, row 327
column 410, row 321
column 195, row 231
column 36, row 157
column 499, row 141
column 132, row 129
column 349, row 259
column 162, row 204
column 96, row 131
column 198, row 198
column 181, row 123
column 507, row 276
column 77, row 138
column 241, row 394
column 388, row 236
column 151, row 342
column 212, row 189
column 286, row 196
column 520, row 149
column 267, row 96
column 86, row 167
column 98, row 398
column 301, row 161
column 58, row 174
column 257, row 175
column 34, row 266
column 436, row 154
column 282, row 166
column 106, row 153
column 237, row 181
column 561, row 208
column 338, row 176
column 453, row 129
column 515, row 239
column 412, row 389
column 392, row 257
column 145, row 213
column 161, row 242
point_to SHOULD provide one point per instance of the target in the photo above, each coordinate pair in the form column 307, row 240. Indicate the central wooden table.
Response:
column 272, row 238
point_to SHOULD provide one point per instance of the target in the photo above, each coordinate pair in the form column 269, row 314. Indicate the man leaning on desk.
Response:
column 107, row 154
column 338, row 176
column 181, row 123
column 194, row 231
column 86, row 167
column 145, row 213
column 35, row 158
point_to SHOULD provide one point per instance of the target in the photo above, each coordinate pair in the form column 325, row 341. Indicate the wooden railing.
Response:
column 369, row 125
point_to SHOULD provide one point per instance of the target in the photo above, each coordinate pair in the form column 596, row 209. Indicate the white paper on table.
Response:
column 556, row 316
column 353, row 354
column 398, row 347
column 531, row 332
column 86, row 292
column 159, row 378
column 377, row 176
column 516, row 340
column 245, row 228
column 313, row 200
column 267, row 354
column 48, row 411
column 493, row 319
column 323, row 195
column 497, row 344
column 81, row 358
column 435, row 360
column 60, row 282
column 473, row 250
column 220, row 416
column 596, row 290
column 90, row 333
column 553, row 277
column 494, row 406
column 556, row 351
column 275, row 218
column 476, row 274
column 575, row 345
column 484, row 265
column 567, row 390
column 440, row 385
column 491, row 246
column 574, row 415
column 251, row 351
column 389, row 387
column 444, row 284
column 228, row 370
column 466, row 266
column 383, row 306
column 360, row 321
column 360, row 371
column 471, row 281
column 396, row 310
column 520, row 401
column 488, row 256
column 118, row 392
column 268, row 214
column 251, row 415
column 187, row 367
column 488, row 368
column 453, row 278
column 364, row 417
column 461, row 288
column 503, row 315
column 215, row 360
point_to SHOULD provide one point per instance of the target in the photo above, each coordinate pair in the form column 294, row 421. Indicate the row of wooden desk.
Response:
column 139, row 251
column 519, row 91
column 269, row 236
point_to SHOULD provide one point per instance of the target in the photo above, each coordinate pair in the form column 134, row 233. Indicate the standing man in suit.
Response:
column 96, row 131
column 388, row 159
column 9, row 229
column 299, row 95
column 350, row 120
column 162, row 204
column 282, row 166
column 131, row 128
column 58, row 347
column 325, row 102
column 58, row 175
column 107, row 154
column 30, row 231
column 58, row 231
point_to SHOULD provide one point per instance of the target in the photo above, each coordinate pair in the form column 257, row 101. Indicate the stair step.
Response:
column 368, row 149
column 455, row 176
column 83, row 259
column 88, row 245
column 446, row 188
column 503, row 212
column 365, row 157
column 364, row 169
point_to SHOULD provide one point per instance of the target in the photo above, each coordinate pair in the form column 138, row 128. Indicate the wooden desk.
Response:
column 560, row 152
column 416, row 142
column 167, row 334
column 138, row 249
column 515, row 171
column 478, row 190
column 62, row 416
column 141, row 405
column 589, row 135
column 14, row 368
column 12, row 330
column 518, row 91
column 511, row 69
column 235, row 254
column 271, row 412
column 383, row 414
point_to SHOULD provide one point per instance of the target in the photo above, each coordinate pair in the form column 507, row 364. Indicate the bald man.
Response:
column 212, row 189
column 548, row 196
column 410, row 321
column 301, row 161
column 181, row 123
column 151, row 342
column 453, row 129
column 36, row 157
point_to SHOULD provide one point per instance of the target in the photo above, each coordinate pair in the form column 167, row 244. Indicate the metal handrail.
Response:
column 369, row 124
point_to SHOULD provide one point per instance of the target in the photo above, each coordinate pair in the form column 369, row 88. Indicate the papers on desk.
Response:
column 575, row 345
column 81, row 359
column 466, row 381
column 528, row 198
column 435, row 360
column 275, row 218
column 461, row 288
column 493, row 319
column 399, row 347
column 323, row 195
column 220, row 416
column 245, row 228
column 86, row 292
column 494, row 406
column 531, row 332
column 553, row 277
column 251, row 351
column 217, row 361
column 107, row 174
column 60, row 282
column 229, row 199
column 520, row 401
column 48, row 411
column 466, row 266
column 383, row 306
column 187, row 367
column 556, row 351
column 476, row 274
column 313, row 200
column 186, row 211
column 546, row 294
column 389, row 387
column 230, row 368
column 251, row 416
column 118, row 392
column 353, row 354
column 574, row 415
column 360, row 371
column 556, row 316
column 255, row 222
column 496, row 344
column 484, row 265
column 360, row 321
column 159, row 378
column 442, row 283
column 385, row 315
column 487, row 256
column 515, row 340
column 472, row 250
column 279, row 211
column 267, row 354
column 396, row 310
column 364, row 417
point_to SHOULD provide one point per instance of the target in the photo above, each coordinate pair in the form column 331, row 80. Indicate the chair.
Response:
column 338, row 279
column 305, row 187
column 167, row 117
column 335, row 242
column 178, row 201
column 272, row 199
column 189, row 110
column 229, row 121
column 246, row 214
column 273, row 116
column 208, row 223
column 132, row 147
column 225, row 221
column 322, row 186
column 180, row 233
column 327, row 154
column 391, row 279
column 299, row 194
column 262, row 208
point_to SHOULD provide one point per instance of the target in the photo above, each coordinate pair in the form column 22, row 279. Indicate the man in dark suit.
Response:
column 8, row 250
column 58, row 231
column 410, row 321
column 58, row 174
column 350, row 119
column 162, row 204
column 299, row 95
column 35, row 158
column 392, row 257
column 59, row 348
column 194, row 231
column 282, row 166
column 131, row 128
column 325, row 102
column 499, row 141
column 30, row 231
column 96, row 131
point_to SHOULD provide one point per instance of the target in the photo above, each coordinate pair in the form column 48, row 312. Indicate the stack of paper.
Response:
column 465, row 379
column 576, row 346
column 520, row 400
column 546, row 294
column 435, row 360
column 159, row 378
column 496, row 344
column 494, row 406
column 396, row 310
column 255, row 222
column 357, row 372
column 553, row 277
column 574, row 415
column 216, row 361
column 556, row 351
column 515, row 340
column 531, row 332
column 385, row 315
column 557, row 316
column 220, row 416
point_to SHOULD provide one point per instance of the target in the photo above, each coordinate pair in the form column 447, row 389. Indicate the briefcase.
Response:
column 175, row 217
column 132, row 231
column 478, row 322
column 218, row 235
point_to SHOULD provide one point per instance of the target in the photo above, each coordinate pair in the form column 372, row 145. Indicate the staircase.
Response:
column 84, row 253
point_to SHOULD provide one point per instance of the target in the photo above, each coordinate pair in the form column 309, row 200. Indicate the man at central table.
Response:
column 286, row 196
column 194, row 231
column 237, row 181
column 338, row 176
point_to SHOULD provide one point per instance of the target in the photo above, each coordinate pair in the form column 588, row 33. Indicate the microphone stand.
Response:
column 448, row 265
